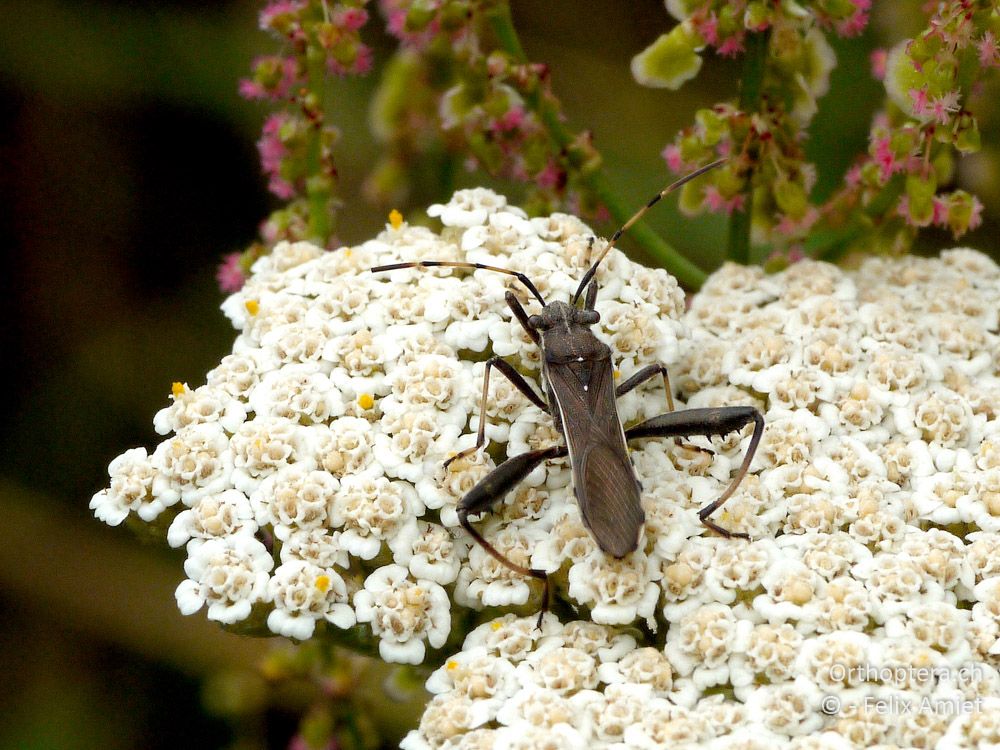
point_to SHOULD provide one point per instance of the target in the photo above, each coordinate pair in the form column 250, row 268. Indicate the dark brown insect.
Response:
column 581, row 396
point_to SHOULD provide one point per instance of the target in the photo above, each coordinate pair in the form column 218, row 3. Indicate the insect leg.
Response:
column 708, row 422
column 519, row 382
column 640, row 377
column 490, row 490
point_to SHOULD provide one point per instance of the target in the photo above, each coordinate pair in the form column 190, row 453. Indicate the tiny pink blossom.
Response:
column 709, row 29
column 943, row 106
column 510, row 120
column 989, row 55
column 272, row 11
column 878, row 59
column 886, row 159
column 230, row 275
column 550, row 177
column 250, row 89
column 976, row 217
column 364, row 62
column 350, row 19
column 672, row 155
column 920, row 100
column 718, row 203
column 940, row 216
column 903, row 209
column 853, row 176
column 789, row 227
column 724, row 149
column 732, row 46
column 854, row 25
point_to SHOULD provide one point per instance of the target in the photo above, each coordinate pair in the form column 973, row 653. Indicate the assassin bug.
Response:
column 580, row 395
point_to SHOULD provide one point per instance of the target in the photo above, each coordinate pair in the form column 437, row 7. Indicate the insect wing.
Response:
column 604, row 480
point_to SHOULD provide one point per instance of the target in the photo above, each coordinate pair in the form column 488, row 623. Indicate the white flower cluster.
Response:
column 866, row 610
column 306, row 480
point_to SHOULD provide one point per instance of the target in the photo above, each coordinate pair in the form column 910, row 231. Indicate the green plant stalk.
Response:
column 752, row 80
column 687, row 273
column 317, row 186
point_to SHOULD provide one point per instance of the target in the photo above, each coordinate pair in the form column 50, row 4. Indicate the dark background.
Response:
column 127, row 169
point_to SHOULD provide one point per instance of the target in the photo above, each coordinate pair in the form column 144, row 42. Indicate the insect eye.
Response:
column 535, row 321
column 588, row 317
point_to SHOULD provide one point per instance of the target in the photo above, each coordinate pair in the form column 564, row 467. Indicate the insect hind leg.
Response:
column 708, row 422
column 490, row 490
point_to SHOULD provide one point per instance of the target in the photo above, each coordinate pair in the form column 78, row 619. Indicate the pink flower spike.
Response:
column 230, row 273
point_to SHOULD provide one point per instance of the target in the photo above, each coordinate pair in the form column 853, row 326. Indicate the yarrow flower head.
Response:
column 306, row 482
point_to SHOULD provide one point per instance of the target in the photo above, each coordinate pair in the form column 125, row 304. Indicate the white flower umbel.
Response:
column 873, row 503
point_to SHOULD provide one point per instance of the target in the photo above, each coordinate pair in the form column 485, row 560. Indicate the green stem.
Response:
column 686, row 272
column 751, row 84
column 318, row 186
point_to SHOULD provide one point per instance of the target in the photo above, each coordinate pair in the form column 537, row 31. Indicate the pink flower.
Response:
column 672, row 155
column 989, row 56
column 732, row 46
column 942, row 107
column 853, row 176
column 551, row 176
column 272, row 151
column 920, row 101
column 903, row 209
column 886, row 159
column 278, row 12
column 790, row 227
column 718, row 203
column 878, row 59
column 940, row 217
column 351, row 19
column 709, row 29
column 512, row 119
column 230, row 275
column 976, row 217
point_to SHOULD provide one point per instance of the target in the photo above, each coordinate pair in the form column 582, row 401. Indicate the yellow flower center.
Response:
column 395, row 219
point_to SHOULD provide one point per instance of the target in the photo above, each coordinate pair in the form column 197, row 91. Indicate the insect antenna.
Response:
column 456, row 264
column 638, row 215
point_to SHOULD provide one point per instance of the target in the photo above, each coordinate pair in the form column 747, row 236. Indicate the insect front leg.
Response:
column 519, row 382
column 490, row 490
column 707, row 422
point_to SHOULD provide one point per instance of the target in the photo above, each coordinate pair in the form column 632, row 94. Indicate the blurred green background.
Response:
column 128, row 169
